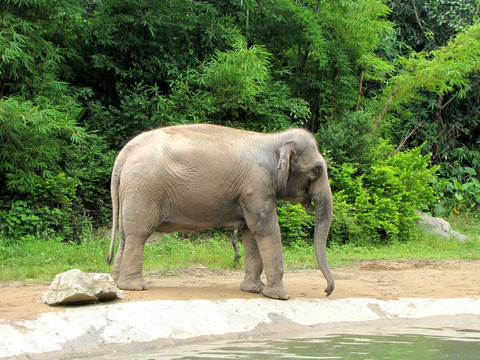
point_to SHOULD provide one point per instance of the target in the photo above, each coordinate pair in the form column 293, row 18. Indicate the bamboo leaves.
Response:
column 237, row 75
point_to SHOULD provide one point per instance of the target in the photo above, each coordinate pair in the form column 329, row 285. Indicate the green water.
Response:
column 464, row 345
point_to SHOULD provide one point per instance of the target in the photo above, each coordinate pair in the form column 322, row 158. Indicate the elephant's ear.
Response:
column 283, row 168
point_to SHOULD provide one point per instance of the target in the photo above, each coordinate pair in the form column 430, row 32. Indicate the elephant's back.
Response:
column 199, row 147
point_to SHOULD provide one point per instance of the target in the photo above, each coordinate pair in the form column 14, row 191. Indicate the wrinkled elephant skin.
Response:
column 196, row 177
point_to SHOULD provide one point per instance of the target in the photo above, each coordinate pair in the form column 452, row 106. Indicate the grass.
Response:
column 175, row 252
column 468, row 224
column 34, row 259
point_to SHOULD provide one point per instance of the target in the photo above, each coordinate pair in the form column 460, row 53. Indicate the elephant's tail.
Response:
column 115, row 207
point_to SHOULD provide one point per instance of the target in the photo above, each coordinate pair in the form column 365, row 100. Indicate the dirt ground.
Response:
column 371, row 279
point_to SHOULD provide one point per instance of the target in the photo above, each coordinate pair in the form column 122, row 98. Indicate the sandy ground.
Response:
column 198, row 305
column 383, row 280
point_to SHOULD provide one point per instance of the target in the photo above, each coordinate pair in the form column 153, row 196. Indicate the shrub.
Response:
column 23, row 219
column 296, row 226
column 376, row 194
column 91, row 165
column 458, row 185
column 456, row 196
column 53, row 209
column 350, row 140
column 380, row 205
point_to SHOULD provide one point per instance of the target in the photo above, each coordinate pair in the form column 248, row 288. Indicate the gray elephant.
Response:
column 195, row 177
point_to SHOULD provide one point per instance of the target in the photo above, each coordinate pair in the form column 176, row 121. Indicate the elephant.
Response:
column 195, row 177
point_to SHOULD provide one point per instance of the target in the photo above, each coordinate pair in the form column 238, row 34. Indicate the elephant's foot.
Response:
column 116, row 277
column 136, row 284
column 252, row 286
column 276, row 292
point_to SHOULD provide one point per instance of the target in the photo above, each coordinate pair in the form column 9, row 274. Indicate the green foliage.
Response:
column 424, row 247
column 434, row 96
column 233, row 88
column 375, row 194
column 447, row 68
column 36, row 195
column 350, row 71
column 32, row 136
column 35, row 259
column 465, row 223
column 350, row 140
column 425, row 25
column 38, row 120
column 48, row 210
column 296, row 226
column 236, row 75
column 379, row 205
column 90, row 164
column 441, row 71
column 173, row 252
column 137, row 112
column 458, row 193
column 30, row 61
column 59, row 189
column 148, row 41
column 274, row 109
column 456, row 197
column 21, row 219
column 321, row 48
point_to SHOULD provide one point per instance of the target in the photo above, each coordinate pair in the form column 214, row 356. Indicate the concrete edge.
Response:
column 104, row 326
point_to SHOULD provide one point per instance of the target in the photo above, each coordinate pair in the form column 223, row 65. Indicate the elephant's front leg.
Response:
column 266, row 231
column 270, row 248
column 253, row 264
column 130, row 270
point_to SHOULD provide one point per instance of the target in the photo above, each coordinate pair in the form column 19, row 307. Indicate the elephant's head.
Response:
column 302, row 177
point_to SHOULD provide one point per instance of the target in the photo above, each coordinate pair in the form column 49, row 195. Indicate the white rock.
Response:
column 439, row 227
column 75, row 286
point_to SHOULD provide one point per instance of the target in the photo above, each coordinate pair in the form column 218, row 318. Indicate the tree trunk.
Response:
column 359, row 94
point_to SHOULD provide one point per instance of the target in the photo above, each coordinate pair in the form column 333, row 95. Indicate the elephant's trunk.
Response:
column 323, row 218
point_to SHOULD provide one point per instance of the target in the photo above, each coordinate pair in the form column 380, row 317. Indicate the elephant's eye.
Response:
column 316, row 171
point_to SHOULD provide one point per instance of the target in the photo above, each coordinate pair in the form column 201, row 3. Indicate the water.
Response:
column 462, row 344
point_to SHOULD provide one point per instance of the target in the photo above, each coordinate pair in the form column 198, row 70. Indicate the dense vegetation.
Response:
column 389, row 88
column 36, row 258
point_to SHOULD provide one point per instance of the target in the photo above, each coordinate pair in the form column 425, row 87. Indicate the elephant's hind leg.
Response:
column 130, row 272
column 118, row 259
column 253, row 264
column 121, row 248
